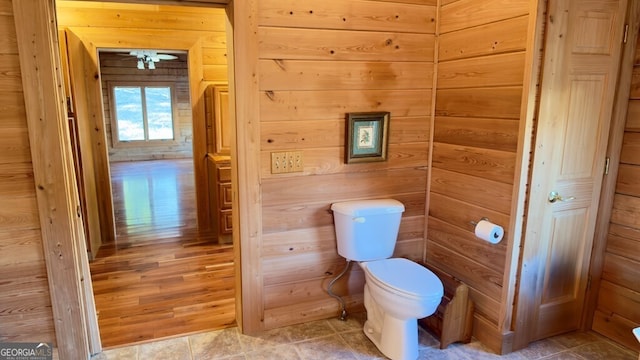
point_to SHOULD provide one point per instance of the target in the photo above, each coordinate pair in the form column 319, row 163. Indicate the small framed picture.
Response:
column 367, row 134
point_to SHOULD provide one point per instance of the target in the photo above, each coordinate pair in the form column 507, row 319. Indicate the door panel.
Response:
column 580, row 69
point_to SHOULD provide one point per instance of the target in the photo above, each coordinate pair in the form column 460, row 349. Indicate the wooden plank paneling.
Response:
column 630, row 148
column 14, row 145
column 10, row 72
column 469, row 271
column 495, row 38
column 8, row 42
column 622, row 271
column 336, row 187
column 499, row 102
column 461, row 214
column 319, row 61
column 331, row 160
column 16, row 179
column 309, row 134
column 464, row 241
column 307, row 44
column 20, row 246
column 475, row 190
column 344, row 75
column 616, row 327
column 185, row 18
column 633, row 116
column 622, row 246
column 481, row 71
column 469, row 13
column 12, row 111
column 628, row 182
column 620, row 300
column 497, row 134
column 625, row 211
column 315, row 105
column 484, row 163
column 311, row 216
column 348, row 15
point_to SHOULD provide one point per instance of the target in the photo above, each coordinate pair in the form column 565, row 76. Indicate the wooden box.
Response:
column 453, row 320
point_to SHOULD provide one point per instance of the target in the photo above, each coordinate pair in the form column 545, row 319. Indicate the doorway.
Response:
column 153, row 284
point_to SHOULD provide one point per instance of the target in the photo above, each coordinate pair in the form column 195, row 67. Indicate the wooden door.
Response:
column 580, row 68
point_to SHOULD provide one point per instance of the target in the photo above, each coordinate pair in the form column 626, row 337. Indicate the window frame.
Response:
column 115, row 138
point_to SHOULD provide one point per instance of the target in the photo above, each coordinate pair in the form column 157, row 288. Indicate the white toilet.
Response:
column 397, row 291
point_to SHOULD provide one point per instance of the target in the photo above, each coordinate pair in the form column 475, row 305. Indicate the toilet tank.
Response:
column 367, row 229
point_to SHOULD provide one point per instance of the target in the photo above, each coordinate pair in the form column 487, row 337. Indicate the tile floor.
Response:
column 335, row 339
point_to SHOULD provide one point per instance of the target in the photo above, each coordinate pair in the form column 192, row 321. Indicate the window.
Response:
column 142, row 112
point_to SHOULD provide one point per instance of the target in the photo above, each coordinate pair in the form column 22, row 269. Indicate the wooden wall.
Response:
column 618, row 310
column 116, row 67
column 481, row 62
column 319, row 60
column 25, row 305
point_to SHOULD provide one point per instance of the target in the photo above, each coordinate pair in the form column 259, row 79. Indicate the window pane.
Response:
column 159, row 114
column 129, row 113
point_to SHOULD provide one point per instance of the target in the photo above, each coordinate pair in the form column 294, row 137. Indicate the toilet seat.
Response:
column 404, row 277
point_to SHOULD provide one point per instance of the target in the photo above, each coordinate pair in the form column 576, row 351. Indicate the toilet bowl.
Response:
column 397, row 293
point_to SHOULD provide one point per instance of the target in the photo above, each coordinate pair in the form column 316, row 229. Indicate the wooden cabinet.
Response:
column 217, row 114
column 221, row 196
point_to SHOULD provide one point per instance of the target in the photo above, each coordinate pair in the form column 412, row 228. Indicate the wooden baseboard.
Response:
column 490, row 335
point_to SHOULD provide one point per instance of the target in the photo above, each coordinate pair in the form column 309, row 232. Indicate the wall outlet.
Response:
column 277, row 162
column 297, row 163
column 286, row 162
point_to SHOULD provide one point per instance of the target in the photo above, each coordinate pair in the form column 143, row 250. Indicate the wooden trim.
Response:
column 62, row 236
column 614, row 149
column 529, row 110
column 245, row 163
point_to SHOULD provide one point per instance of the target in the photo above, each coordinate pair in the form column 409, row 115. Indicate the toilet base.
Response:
column 395, row 338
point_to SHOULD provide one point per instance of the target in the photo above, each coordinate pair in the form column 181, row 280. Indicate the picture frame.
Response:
column 367, row 136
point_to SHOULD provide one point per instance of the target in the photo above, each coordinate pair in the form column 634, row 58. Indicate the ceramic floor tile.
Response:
column 310, row 330
column 362, row 347
column 476, row 351
column 452, row 352
column 566, row 355
column 269, row 338
column 326, row 348
column 352, row 322
column 426, row 340
column 173, row 349
column 125, row 353
column 542, row 348
column 576, row 338
column 281, row 352
column 215, row 344
column 602, row 350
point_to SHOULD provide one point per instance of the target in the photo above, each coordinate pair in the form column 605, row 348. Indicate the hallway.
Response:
column 160, row 278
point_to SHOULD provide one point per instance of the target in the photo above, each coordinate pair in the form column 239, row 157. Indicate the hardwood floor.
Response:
column 161, row 277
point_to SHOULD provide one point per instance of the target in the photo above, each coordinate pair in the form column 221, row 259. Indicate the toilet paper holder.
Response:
column 474, row 223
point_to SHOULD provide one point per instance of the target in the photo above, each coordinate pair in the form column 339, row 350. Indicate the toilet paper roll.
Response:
column 489, row 231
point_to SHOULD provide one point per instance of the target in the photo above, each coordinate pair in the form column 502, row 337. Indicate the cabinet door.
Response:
column 221, row 119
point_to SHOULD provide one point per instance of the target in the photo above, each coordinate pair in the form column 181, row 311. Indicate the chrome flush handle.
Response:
column 554, row 196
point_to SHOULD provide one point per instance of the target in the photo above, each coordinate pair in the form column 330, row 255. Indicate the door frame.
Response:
column 63, row 242
column 614, row 150
column 523, row 314
column 83, row 46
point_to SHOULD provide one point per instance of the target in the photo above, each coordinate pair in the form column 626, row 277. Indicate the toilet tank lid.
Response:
column 368, row 207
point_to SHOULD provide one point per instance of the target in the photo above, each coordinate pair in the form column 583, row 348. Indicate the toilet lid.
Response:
column 405, row 276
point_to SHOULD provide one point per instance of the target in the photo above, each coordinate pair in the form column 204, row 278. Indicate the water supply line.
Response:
column 343, row 314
